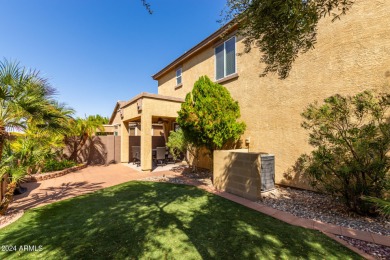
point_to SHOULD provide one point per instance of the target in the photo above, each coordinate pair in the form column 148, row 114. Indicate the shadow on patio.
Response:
column 51, row 194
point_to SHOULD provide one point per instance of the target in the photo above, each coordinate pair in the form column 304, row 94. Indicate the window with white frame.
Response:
column 225, row 59
column 178, row 76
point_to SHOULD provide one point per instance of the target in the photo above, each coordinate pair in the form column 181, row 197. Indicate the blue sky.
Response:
column 95, row 52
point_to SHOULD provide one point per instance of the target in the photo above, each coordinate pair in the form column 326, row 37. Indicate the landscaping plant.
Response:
column 351, row 137
column 82, row 130
column 26, row 101
column 208, row 117
column 57, row 165
column 179, row 146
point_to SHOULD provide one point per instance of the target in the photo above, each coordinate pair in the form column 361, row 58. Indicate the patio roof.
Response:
column 123, row 104
column 117, row 106
column 153, row 96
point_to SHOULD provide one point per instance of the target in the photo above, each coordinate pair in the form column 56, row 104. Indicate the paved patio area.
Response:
column 76, row 183
column 155, row 168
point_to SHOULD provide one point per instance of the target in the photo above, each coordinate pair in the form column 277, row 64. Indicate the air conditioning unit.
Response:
column 267, row 174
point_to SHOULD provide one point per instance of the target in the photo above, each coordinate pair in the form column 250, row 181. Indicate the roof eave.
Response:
column 200, row 46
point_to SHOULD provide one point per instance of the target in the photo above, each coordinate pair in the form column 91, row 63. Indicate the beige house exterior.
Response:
column 351, row 55
column 145, row 116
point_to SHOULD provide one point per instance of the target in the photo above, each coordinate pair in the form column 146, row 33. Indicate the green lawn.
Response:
column 160, row 221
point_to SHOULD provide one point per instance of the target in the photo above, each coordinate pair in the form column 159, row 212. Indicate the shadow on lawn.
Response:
column 158, row 220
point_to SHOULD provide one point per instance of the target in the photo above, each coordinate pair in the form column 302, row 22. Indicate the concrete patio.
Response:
column 155, row 168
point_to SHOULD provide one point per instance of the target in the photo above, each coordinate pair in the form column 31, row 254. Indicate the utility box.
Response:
column 267, row 172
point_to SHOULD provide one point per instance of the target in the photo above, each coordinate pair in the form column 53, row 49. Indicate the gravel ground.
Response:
column 324, row 208
column 377, row 251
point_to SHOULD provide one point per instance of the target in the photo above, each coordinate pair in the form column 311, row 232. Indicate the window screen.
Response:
column 178, row 76
column 220, row 63
column 225, row 59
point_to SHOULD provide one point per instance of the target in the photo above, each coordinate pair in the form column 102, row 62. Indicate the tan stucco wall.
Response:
column 108, row 128
column 238, row 173
column 150, row 108
column 116, row 125
column 351, row 55
column 117, row 119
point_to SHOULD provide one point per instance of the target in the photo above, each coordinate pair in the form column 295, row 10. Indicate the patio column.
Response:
column 146, row 142
column 125, row 142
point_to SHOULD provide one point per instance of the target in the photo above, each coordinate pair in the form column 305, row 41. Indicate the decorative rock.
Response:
column 378, row 251
column 321, row 207
column 51, row 175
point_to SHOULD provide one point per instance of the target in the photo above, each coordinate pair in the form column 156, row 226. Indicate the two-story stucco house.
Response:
column 351, row 55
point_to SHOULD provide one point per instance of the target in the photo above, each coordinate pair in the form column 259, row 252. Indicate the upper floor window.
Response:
column 178, row 76
column 225, row 59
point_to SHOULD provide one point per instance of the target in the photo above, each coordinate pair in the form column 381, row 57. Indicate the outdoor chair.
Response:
column 170, row 158
column 136, row 150
column 160, row 156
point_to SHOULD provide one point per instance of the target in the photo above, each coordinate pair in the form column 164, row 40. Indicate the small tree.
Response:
column 209, row 116
column 82, row 130
column 352, row 140
column 179, row 145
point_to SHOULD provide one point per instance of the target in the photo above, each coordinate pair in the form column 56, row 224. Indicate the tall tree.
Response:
column 25, row 98
column 281, row 29
column 209, row 116
column 83, row 129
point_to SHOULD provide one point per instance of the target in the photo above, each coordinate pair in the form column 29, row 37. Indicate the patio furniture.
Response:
column 160, row 156
column 169, row 157
column 136, row 150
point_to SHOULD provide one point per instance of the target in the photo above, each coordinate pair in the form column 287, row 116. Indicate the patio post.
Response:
column 125, row 142
column 146, row 142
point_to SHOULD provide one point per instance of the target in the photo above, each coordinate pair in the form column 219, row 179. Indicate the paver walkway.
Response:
column 94, row 178
column 76, row 183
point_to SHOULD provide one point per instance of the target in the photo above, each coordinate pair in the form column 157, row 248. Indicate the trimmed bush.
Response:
column 54, row 165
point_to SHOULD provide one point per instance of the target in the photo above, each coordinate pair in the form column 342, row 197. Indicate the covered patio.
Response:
column 144, row 112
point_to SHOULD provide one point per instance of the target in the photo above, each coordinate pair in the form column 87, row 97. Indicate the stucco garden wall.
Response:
column 238, row 172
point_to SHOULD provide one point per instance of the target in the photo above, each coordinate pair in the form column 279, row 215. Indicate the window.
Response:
column 225, row 59
column 178, row 76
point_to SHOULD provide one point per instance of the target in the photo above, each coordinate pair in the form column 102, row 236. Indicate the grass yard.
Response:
column 160, row 221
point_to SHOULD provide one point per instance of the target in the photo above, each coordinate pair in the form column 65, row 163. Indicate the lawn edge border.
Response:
column 330, row 235
column 12, row 220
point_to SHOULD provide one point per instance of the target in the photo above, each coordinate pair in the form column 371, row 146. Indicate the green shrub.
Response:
column 351, row 137
column 54, row 165
column 209, row 115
